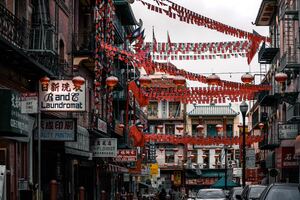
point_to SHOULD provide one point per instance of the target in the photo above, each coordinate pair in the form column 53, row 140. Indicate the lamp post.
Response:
column 244, row 109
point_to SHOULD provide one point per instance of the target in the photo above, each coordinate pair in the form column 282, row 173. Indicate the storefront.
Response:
column 297, row 153
column 15, row 160
column 286, row 162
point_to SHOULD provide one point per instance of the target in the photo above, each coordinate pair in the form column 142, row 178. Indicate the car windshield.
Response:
column 283, row 193
column 210, row 194
column 255, row 192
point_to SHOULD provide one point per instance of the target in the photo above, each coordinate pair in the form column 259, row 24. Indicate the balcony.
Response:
column 265, row 99
column 12, row 29
column 266, row 145
column 83, row 43
column 289, row 61
column 289, row 9
column 293, row 113
column 266, row 55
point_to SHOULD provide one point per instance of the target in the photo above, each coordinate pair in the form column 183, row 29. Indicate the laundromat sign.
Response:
column 62, row 95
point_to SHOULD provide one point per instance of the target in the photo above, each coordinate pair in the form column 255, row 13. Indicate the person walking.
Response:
column 162, row 195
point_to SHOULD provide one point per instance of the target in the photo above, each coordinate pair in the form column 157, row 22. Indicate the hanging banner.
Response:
column 105, row 147
column 62, row 95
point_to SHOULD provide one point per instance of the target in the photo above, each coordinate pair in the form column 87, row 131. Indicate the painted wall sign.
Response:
column 62, row 95
column 58, row 129
column 105, row 147
column 12, row 121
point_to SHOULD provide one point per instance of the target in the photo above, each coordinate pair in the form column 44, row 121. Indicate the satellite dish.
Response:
column 130, row 1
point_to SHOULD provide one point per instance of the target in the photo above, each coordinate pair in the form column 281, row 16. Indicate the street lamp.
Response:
column 244, row 109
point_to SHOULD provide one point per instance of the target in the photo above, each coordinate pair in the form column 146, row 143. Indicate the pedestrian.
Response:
column 123, row 195
column 162, row 195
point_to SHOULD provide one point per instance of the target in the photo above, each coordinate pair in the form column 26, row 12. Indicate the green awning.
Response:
column 221, row 183
column 205, row 173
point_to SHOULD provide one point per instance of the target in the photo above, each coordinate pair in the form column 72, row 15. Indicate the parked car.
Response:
column 281, row 191
column 235, row 191
column 211, row 194
column 251, row 192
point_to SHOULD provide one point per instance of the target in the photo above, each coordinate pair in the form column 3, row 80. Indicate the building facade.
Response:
column 278, row 109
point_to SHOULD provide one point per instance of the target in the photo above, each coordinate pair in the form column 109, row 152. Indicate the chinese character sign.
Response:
column 105, row 147
column 62, row 95
column 126, row 155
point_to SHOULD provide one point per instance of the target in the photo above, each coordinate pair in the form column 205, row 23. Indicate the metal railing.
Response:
column 293, row 112
column 289, row 60
column 84, row 42
column 12, row 29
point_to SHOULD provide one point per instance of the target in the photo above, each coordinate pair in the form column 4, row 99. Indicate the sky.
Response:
column 236, row 13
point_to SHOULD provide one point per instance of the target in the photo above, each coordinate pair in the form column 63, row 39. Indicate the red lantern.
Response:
column 261, row 125
column 200, row 128
column 213, row 79
column 78, row 81
column 161, row 149
column 247, row 78
column 160, row 127
column 145, row 81
column 140, row 127
column 219, row 127
column 175, row 149
column 44, row 82
column 281, row 77
column 180, row 156
column 121, row 126
column 111, row 81
column 179, row 128
column 179, row 80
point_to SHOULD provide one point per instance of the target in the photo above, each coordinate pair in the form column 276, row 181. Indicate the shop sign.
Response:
column 82, row 140
column 177, row 178
column 126, row 155
column 154, row 169
column 29, row 103
column 152, row 152
column 58, row 130
column 102, row 126
column 62, row 95
column 105, row 147
column 12, row 121
column 287, row 131
column 297, row 146
column 250, row 158
column 145, row 170
column 237, row 172
column 201, row 181
column 285, row 157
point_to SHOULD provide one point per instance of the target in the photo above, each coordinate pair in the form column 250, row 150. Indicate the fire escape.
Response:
column 43, row 37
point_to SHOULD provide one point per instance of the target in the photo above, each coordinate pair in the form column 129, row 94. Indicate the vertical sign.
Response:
column 250, row 158
column 152, row 152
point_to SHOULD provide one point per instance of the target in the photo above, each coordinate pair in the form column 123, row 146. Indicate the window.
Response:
column 194, row 130
column 174, row 109
column 170, row 129
column 205, row 158
column 169, row 153
column 211, row 130
column 2, row 156
column 152, row 109
column 194, row 156
column 229, row 130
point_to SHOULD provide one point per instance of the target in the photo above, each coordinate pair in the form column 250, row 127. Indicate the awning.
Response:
column 205, row 173
column 221, row 183
column 116, row 169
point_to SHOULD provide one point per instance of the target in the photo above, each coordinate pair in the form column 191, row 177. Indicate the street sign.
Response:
column 29, row 103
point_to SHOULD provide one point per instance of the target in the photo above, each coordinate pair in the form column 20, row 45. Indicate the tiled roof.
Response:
column 212, row 110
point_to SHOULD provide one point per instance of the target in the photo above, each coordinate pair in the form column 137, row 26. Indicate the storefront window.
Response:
column 169, row 156
column 170, row 129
